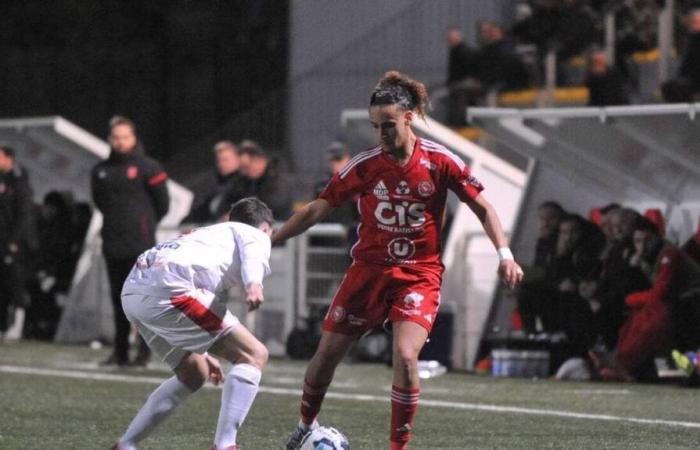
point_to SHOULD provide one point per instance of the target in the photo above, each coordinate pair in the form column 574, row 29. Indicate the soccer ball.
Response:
column 325, row 438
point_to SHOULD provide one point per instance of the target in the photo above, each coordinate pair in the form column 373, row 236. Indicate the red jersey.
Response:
column 401, row 207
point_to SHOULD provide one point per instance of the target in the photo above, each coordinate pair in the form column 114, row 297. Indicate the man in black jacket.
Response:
column 130, row 191
column 230, row 187
column 15, row 223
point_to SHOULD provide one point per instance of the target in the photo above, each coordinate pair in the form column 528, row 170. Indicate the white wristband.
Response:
column 505, row 253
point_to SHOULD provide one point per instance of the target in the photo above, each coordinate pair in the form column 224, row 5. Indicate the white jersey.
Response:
column 213, row 258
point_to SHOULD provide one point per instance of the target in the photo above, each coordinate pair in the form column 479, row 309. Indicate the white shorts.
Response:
column 173, row 327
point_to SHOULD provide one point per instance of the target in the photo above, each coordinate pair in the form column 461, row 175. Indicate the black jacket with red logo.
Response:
column 130, row 191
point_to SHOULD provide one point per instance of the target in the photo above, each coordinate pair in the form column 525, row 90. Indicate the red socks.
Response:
column 404, row 403
column 311, row 401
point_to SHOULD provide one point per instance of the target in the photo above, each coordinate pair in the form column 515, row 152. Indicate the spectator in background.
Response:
column 617, row 279
column 537, row 284
column 687, row 85
column 337, row 156
column 498, row 65
column 544, row 24
column 245, row 148
column 605, row 84
column 578, row 246
column 230, row 186
column 130, row 190
column 575, row 29
column 522, row 28
column 462, row 83
column 15, row 234
column 265, row 179
column 53, row 264
column 647, row 332
column 636, row 25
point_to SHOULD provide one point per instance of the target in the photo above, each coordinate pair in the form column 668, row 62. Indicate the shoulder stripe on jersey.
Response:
column 361, row 154
column 437, row 148
column 358, row 159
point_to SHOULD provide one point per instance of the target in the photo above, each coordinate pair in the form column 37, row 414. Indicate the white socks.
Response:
column 159, row 405
column 237, row 397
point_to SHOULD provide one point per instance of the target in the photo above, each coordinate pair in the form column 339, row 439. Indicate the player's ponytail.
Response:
column 395, row 88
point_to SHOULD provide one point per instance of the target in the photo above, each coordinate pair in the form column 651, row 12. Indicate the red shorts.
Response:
column 371, row 293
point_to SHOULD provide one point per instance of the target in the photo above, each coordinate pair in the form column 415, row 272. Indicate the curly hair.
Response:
column 395, row 88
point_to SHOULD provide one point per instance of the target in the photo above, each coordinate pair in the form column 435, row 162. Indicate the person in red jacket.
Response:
column 647, row 331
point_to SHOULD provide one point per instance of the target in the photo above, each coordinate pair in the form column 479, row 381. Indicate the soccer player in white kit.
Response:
column 173, row 295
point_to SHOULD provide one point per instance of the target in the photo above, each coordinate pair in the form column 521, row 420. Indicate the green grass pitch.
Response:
column 73, row 404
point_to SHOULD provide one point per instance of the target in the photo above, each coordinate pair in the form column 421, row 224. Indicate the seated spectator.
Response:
column 604, row 223
column 687, row 85
column 617, row 279
column 265, row 179
column 536, row 285
column 229, row 188
column 605, row 84
column 647, row 331
column 578, row 247
column 462, row 83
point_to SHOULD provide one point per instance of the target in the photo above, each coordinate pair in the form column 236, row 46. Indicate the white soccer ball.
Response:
column 325, row 438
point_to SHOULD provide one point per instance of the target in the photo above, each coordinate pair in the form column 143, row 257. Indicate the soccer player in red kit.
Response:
column 396, row 271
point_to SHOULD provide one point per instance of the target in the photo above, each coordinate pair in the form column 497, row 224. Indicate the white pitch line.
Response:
column 361, row 397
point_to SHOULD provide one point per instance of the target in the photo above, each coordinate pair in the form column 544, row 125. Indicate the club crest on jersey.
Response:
column 131, row 172
column 401, row 249
column 412, row 300
column 381, row 191
column 426, row 188
column 337, row 314
column 403, row 188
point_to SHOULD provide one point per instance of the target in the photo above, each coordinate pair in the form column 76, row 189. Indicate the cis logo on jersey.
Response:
column 403, row 188
column 401, row 248
column 426, row 188
column 132, row 172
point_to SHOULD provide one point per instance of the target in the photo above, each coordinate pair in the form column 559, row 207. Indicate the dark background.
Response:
column 179, row 69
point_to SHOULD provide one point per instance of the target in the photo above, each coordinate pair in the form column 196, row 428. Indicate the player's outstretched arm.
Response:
column 302, row 220
column 509, row 271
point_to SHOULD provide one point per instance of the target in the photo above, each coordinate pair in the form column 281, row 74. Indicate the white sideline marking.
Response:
column 359, row 397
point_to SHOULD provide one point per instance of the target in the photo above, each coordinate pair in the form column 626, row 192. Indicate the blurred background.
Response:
column 578, row 116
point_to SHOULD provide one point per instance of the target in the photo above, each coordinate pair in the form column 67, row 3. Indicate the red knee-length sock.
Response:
column 404, row 403
column 311, row 400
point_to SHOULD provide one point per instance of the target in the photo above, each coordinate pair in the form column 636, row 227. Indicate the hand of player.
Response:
column 12, row 247
column 510, row 272
column 254, row 296
column 216, row 376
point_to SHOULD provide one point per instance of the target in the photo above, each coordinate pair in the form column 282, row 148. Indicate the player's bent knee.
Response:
column 405, row 356
column 259, row 355
column 192, row 371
